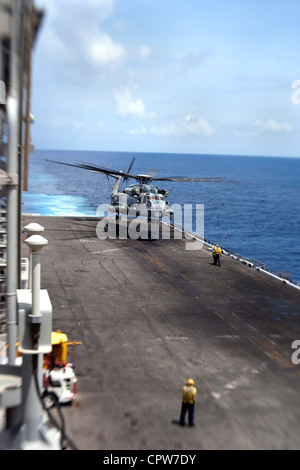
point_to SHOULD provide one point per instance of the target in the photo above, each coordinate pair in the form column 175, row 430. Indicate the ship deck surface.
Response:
column 151, row 314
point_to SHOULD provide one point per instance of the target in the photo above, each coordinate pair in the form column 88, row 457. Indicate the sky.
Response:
column 184, row 76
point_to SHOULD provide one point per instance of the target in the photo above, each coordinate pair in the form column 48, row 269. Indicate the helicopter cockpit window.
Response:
column 157, row 198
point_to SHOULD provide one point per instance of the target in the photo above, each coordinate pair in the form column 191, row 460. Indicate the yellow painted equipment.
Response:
column 59, row 342
column 59, row 376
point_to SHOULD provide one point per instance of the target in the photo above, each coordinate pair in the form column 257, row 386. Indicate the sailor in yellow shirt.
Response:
column 217, row 255
column 188, row 402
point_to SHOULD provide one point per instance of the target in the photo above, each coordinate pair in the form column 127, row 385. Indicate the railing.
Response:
column 3, row 264
column 258, row 265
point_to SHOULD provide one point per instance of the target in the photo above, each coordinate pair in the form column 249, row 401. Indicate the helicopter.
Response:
column 142, row 198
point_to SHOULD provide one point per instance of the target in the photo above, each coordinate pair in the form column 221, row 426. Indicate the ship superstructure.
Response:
column 19, row 24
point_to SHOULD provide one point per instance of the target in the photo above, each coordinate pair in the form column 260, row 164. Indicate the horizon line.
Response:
column 167, row 153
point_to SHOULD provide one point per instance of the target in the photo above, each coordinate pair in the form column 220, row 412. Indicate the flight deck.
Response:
column 151, row 314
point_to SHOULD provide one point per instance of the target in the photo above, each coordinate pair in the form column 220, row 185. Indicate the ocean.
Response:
column 258, row 218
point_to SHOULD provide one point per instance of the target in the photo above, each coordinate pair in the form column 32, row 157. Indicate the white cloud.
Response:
column 194, row 60
column 145, row 52
column 81, row 10
column 196, row 125
column 136, row 132
column 272, row 125
column 75, row 36
column 181, row 126
column 186, row 125
column 128, row 106
column 104, row 52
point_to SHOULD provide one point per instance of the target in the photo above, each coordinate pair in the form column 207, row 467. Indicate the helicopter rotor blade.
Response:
column 131, row 164
column 183, row 179
column 93, row 168
column 109, row 172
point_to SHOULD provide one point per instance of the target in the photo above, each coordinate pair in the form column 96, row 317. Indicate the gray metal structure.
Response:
column 19, row 23
column 24, row 313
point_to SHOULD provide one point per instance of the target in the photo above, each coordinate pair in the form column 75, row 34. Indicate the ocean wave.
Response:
column 56, row 205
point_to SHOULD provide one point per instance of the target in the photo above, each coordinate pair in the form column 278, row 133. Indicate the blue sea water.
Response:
column 258, row 218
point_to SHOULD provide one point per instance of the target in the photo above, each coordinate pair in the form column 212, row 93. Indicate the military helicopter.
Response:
column 141, row 198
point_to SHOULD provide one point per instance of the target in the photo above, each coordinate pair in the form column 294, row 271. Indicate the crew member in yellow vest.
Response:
column 217, row 255
column 188, row 402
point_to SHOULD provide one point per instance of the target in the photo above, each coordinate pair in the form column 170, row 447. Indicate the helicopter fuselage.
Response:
column 141, row 199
